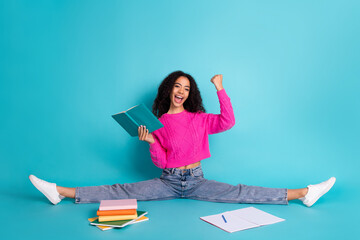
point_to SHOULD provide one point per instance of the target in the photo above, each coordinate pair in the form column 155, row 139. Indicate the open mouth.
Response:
column 178, row 99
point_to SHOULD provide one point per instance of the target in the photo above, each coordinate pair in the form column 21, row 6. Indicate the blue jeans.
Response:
column 177, row 183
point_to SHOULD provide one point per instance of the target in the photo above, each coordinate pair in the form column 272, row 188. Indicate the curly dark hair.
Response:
column 162, row 101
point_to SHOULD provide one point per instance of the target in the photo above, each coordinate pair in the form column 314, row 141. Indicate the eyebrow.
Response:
column 181, row 84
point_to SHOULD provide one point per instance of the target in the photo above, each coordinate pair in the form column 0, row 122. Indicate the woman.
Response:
column 178, row 148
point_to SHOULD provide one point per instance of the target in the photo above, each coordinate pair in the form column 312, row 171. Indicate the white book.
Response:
column 241, row 219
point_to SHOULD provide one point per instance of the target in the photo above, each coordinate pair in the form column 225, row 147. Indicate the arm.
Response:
column 217, row 123
column 157, row 152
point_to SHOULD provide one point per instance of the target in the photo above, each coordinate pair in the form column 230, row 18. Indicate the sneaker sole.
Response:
column 322, row 193
column 33, row 181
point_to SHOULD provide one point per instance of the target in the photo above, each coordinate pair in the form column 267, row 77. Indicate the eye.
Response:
column 187, row 89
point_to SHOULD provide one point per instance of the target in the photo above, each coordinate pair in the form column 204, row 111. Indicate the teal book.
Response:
column 120, row 223
column 138, row 115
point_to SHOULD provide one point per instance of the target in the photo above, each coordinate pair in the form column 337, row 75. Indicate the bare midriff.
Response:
column 190, row 166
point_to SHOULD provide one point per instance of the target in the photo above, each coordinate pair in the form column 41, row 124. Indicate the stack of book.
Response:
column 118, row 214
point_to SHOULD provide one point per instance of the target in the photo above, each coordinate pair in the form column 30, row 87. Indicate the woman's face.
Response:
column 180, row 92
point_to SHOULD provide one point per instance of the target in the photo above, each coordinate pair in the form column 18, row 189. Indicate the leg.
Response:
column 154, row 189
column 297, row 193
column 209, row 190
column 197, row 187
column 66, row 192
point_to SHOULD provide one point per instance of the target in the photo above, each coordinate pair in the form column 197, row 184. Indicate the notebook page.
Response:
column 256, row 216
column 232, row 224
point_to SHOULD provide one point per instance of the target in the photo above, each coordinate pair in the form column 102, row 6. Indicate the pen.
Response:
column 224, row 218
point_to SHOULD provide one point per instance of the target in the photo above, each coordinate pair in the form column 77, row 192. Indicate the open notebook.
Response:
column 241, row 219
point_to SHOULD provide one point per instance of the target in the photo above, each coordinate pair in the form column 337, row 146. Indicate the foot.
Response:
column 46, row 188
column 316, row 191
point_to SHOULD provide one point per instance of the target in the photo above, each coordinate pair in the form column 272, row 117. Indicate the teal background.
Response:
column 291, row 69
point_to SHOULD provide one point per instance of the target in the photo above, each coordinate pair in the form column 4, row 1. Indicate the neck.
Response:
column 174, row 110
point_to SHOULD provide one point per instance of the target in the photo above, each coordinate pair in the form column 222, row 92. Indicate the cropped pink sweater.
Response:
column 184, row 138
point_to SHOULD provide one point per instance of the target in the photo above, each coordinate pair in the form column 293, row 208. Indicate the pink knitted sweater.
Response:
column 184, row 138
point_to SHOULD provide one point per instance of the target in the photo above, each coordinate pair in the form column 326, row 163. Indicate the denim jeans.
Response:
column 177, row 183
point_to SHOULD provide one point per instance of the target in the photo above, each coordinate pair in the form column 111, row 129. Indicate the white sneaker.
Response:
column 46, row 188
column 316, row 191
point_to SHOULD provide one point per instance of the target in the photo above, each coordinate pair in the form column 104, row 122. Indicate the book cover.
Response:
column 116, row 217
column 118, row 204
column 120, row 223
column 116, row 212
column 138, row 115
column 104, row 228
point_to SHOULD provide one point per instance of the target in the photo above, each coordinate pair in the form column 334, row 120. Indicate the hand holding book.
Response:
column 139, row 121
column 144, row 135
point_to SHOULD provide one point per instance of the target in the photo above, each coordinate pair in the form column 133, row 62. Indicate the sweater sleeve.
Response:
column 217, row 123
column 158, row 153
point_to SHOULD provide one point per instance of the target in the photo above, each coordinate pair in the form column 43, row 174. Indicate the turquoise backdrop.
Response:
column 291, row 69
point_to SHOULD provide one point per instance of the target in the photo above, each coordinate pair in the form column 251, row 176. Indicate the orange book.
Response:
column 116, row 212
